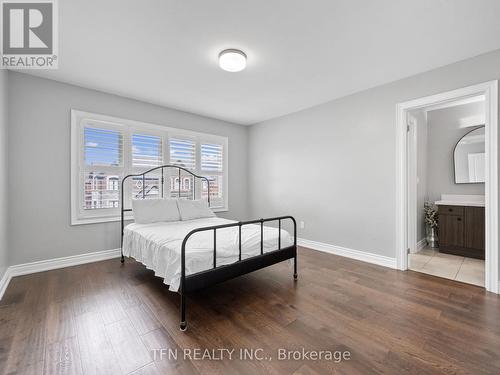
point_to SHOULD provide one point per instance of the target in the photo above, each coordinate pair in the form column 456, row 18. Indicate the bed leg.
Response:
column 295, row 275
column 123, row 259
column 183, row 325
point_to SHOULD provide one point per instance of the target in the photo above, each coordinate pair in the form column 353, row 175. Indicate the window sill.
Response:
column 111, row 219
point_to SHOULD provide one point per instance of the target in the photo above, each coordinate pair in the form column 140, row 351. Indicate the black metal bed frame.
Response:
column 217, row 274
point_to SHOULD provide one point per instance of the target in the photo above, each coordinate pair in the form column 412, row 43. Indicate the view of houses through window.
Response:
column 101, row 190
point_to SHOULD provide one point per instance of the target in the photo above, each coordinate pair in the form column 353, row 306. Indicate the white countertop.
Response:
column 459, row 203
column 461, row 200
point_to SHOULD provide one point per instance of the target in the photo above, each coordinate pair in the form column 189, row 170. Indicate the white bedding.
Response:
column 158, row 245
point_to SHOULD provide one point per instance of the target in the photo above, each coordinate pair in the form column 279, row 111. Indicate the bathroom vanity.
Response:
column 461, row 224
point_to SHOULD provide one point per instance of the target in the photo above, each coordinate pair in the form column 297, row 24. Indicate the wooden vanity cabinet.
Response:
column 461, row 231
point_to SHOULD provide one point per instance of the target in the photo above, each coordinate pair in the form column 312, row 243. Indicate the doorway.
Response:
column 455, row 216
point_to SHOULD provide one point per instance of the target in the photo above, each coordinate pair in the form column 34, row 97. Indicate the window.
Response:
column 146, row 151
column 103, row 160
column 212, row 166
column 105, row 149
column 183, row 153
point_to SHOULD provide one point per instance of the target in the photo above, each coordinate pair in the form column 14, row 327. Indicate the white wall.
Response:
column 444, row 132
column 333, row 166
column 3, row 172
column 39, row 164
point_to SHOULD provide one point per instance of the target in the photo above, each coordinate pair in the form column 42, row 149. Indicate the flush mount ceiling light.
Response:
column 232, row 60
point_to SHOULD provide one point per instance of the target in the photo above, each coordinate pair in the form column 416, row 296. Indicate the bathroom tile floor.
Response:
column 432, row 262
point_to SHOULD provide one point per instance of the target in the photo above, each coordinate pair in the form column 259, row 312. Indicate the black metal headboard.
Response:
column 144, row 193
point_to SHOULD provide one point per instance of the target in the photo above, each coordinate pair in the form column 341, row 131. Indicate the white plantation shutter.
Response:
column 146, row 151
column 102, row 147
column 212, row 167
column 103, row 158
column 105, row 149
column 183, row 153
column 211, row 157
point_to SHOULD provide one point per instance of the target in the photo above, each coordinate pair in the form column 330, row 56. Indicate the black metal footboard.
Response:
column 217, row 274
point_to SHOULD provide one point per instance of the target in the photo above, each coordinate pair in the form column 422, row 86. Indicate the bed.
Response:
column 192, row 254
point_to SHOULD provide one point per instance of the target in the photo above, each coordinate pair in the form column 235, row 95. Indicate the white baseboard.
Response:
column 418, row 246
column 421, row 244
column 364, row 256
column 4, row 281
column 52, row 264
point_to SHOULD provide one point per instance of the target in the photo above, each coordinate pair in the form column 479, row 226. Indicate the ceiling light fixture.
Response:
column 232, row 60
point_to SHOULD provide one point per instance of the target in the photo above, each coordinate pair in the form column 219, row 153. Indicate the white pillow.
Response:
column 194, row 209
column 153, row 210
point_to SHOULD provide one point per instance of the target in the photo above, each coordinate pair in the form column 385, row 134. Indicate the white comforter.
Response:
column 158, row 245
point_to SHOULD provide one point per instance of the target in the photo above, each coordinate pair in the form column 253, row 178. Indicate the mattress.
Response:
column 158, row 245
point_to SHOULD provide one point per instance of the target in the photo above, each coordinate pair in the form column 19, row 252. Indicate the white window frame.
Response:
column 129, row 127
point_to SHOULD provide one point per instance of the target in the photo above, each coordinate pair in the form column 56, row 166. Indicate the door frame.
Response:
column 404, row 177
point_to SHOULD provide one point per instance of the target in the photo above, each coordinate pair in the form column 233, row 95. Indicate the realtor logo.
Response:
column 29, row 34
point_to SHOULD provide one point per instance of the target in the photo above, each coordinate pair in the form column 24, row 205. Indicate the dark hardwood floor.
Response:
column 104, row 318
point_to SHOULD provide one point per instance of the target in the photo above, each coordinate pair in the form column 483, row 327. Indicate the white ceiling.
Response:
column 300, row 52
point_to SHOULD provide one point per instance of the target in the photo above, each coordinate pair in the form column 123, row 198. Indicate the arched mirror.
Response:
column 468, row 157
